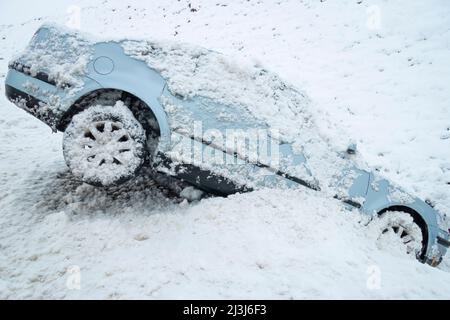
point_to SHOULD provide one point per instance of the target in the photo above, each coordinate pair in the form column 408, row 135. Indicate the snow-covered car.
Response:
column 220, row 124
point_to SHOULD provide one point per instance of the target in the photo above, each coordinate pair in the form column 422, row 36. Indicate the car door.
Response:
column 352, row 186
column 230, row 142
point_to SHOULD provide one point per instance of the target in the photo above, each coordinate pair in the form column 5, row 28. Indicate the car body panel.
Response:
column 48, row 94
column 382, row 195
column 132, row 76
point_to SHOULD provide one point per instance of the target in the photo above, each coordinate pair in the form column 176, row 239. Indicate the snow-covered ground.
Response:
column 376, row 72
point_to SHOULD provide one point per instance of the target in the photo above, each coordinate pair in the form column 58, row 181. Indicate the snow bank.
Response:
column 266, row 244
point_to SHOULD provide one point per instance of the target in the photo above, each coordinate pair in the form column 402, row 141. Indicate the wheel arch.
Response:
column 418, row 219
column 155, row 110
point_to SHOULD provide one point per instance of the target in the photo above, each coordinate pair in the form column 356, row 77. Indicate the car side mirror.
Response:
column 351, row 149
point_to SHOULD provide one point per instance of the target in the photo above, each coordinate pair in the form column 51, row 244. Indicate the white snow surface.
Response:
column 372, row 77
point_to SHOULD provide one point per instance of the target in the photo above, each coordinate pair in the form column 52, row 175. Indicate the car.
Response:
column 220, row 124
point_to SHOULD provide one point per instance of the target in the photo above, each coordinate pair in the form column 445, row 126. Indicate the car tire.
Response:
column 399, row 227
column 104, row 145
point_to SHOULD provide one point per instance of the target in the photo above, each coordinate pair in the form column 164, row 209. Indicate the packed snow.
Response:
column 371, row 76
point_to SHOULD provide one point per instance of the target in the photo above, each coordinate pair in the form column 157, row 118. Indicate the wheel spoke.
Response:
column 406, row 239
column 109, row 159
column 90, row 152
column 125, row 145
column 95, row 132
column 116, row 126
column 123, row 138
column 101, row 162
column 88, row 135
column 108, row 126
column 117, row 161
column 119, row 134
column 400, row 230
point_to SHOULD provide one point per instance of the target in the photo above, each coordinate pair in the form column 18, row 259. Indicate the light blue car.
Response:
column 124, row 104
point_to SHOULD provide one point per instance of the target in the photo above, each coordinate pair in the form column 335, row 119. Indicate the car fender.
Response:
column 130, row 75
column 380, row 197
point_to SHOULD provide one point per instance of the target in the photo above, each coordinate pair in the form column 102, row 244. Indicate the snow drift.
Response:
column 266, row 244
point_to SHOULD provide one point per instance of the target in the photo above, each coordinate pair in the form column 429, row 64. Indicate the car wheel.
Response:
column 397, row 230
column 104, row 145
